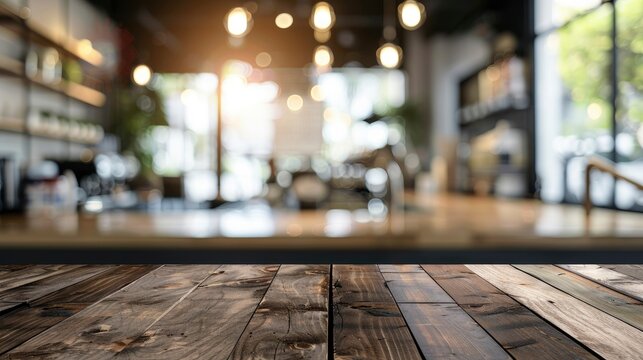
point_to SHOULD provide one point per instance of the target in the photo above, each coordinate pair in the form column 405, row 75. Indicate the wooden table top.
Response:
column 321, row 311
column 433, row 223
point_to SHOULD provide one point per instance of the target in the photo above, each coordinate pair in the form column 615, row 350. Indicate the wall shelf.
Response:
column 74, row 91
column 72, row 48
column 15, row 126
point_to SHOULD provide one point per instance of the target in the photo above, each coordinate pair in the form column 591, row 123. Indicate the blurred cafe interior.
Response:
column 370, row 126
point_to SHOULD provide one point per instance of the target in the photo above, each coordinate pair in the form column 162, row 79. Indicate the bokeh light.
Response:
column 142, row 75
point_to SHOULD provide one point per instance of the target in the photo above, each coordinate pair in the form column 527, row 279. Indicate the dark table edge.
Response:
column 316, row 256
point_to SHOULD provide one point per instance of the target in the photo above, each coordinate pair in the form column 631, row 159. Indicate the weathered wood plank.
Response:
column 440, row 327
column 367, row 323
column 106, row 327
column 612, row 302
column 209, row 322
column 604, row 334
column 359, row 283
column 415, row 288
column 519, row 331
column 30, row 274
column 635, row 271
column 615, row 280
column 21, row 325
column 400, row 268
column 34, row 290
column 291, row 321
column 445, row 331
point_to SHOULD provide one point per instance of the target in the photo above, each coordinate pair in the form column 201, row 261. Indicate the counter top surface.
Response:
column 431, row 222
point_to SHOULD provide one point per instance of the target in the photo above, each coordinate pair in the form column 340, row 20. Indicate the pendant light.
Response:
column 389, row 54
column 142, row 74
column 238, row 22
column 322, row 17
column 323, row 57
column 411, row 14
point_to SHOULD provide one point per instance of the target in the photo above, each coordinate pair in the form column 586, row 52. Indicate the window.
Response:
column 574, row 98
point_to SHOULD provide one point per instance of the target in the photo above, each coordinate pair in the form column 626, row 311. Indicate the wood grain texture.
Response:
column 609, row 337
column 400, row 268
column 34, row 290
column 291, row 321
column 635, row 271
column 415, row 288
column 440, row 327
column 612, row 302
column 208, row 323
column 30, row 274
column 620, row 282
column 24, row 323
column 359, row 283
column 445, row 331
column 106, row 327
column 367, row 323
column 519, row 331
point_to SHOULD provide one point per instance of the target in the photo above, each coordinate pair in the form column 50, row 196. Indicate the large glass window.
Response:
column 629, row 111
column 574, row 90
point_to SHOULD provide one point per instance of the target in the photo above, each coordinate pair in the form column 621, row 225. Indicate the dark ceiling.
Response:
column 188, row 35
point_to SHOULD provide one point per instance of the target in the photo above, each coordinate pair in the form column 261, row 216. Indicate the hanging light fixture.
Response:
column 238, row 22
column 411, row 14
column 322, row 17
column 142, row 75
column 389, row 55
column 323, row 57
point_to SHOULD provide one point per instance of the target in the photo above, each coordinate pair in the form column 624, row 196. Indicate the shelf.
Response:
column 74, row 91
column 73, row 48
column 492, row 115
column 15, row 126
column 12, row 125
column 9, row 66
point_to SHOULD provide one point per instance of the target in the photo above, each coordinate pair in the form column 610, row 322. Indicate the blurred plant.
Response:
column 409, row 115
column 137, row 111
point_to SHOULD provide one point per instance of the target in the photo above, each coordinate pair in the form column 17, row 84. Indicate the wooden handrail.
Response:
column 606, row 166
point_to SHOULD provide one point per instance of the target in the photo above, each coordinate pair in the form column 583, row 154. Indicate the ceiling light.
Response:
column 389, row 55
column 283, row 20
column 238, row 22
column 323, row 56
column 317, row 93
column 142, row 75
column 295, row 102
column 322, row 17
column 411, row 14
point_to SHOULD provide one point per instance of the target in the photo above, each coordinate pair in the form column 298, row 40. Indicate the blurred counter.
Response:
column 440, row 228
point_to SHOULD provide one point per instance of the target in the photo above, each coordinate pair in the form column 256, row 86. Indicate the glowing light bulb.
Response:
column 238, row 21
column 323, row 56
column 317, row 93
column 411, row 14
column 322, row 17
column 284, row 20
column 142, row 75
column 389, row 55
column 295, row 102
